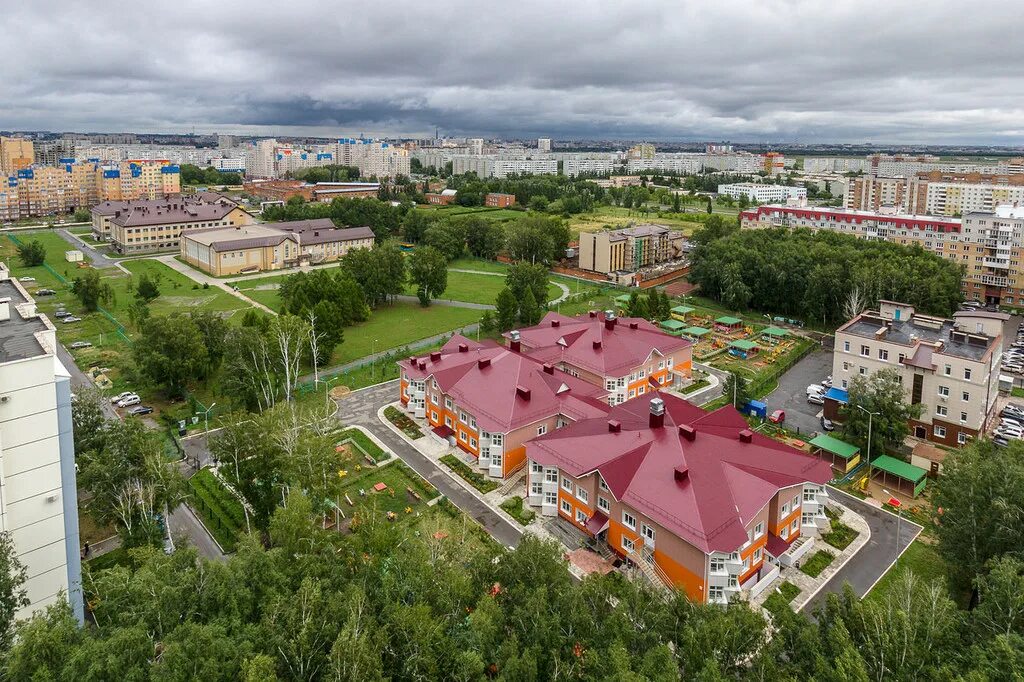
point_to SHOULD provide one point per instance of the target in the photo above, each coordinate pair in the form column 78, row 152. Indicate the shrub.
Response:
column 474, row 478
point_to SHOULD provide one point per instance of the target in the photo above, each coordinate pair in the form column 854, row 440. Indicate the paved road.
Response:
column 875, row 558
column 184, row 524
column 361, row 408
column 447, row 302
column 791, row 395
column 98, row 259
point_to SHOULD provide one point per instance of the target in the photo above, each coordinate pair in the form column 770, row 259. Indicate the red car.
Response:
column 777, row 417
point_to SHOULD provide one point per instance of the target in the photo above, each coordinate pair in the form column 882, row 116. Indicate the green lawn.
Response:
column 470, row 263
column 488, row 212
column 393, row 326
column 463, row 286
column 920, row 559
column 817, row 562
column 177, row 292
column 396, row 498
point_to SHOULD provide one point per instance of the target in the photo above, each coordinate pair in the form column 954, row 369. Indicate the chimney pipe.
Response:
column 687, row 431
column 514, row 344
column 597, row 344
column 614, row 426
column 549, row 368
column 746, row 436
column 523, row 392
column 556, row 323
column 5, row 308
column 463, row 347
column 657, row 419
column 483, row 362
column 634, row 325
column 435, row 356
column 609, row 320
column 593, row 313
column 681, row 474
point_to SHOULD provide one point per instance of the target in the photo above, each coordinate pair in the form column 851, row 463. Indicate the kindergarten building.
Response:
column 695, row 499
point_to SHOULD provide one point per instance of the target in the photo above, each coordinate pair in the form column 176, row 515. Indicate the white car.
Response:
column 815, row 399
column 815, row 389
column 129, row 401
column 121, row 396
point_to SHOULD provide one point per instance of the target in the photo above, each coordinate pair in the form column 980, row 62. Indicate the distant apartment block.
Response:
column 681, row 164
column 643, row 150
column 54, row 190
column 222, row 251
column 148, row 226
column 576, row 166
column 39, row 505
column 498, row 200
column 629, row 249
column 873, row 192
column 949, row 367
column 762, row 193
column 834, row 164
column 283, row 190
column 544, row 144
column 956, row 194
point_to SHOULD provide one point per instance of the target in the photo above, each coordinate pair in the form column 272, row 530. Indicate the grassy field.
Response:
column 396, row 325
column 396, row 498
column 495, row 214
column 470, row 263
column 607, row 217
column 464, row 286
column 177, row 292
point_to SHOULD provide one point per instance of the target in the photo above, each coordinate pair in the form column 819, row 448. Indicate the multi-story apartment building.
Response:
column 15, row 154
column 500, row 166
column 949, row 367
column 628, row 357
column 53, row 190
column 696, row 499
column 988, row 245
column 544, row 144
column 222, row 251
column 629, row 249
column 873, row 192
column 682, row 164
column 644, row 150
column 489, row 400
column 38, row 495
column 909, row 166
column 149, row 226
column 762, row 193
column 574, row 166
column 956, row 194
column 833, row 164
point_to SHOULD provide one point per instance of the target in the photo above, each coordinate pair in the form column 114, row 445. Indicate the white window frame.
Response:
column 565, row 507
column 604, row 505
column 628, row 544
column 567, row 485
column 628, row 524
column 582, row 495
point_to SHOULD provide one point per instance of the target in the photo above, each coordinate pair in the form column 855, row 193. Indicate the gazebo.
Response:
column 681, row 311
column 727, row 324
column 695, row 333
column 843, row 456
column 774, row 334
column 742, row 348
column 908, row 478
column 672, row 326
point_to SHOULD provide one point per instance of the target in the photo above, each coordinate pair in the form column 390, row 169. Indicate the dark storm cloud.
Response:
column 758, row 69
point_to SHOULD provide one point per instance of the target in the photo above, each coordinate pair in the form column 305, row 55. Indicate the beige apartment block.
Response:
column 872, row 192
column 948, row 366
column 629, row 249
column 15, row 153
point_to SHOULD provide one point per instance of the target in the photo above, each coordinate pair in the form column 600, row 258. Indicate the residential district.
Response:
column 785, row 390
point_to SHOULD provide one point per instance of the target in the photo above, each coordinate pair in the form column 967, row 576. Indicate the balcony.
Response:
column 1000, row 263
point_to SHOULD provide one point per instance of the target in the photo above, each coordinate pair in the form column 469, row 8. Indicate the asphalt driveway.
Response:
column 864, row 569
column 791, row 395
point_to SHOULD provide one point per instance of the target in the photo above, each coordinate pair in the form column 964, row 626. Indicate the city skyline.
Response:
column 774, row 71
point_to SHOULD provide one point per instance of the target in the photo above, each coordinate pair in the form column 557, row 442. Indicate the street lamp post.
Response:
column 870, row 416
column 373, row 360
column 327, row 389
column 206, row 415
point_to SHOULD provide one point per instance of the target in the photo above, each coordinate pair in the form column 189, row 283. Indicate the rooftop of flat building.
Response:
column 922, row 329
column 18, row 339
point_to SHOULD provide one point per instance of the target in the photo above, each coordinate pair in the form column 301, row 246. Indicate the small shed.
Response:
column 672, row 326
column 695, row 333
column 727, row 324
column 681, row 311
column 843, row 456
column 774, row 334
column 929, row 457
column 74, row 256
column 756, row 408
column 743, row 348
column 835, row 399
column 907, row 478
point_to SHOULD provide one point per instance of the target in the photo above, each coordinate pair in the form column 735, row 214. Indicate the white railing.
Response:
column 766, row 580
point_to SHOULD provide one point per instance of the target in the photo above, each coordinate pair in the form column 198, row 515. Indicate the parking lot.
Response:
column 791, row 395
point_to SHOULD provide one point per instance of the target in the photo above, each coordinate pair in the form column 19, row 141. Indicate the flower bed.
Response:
column 403, row 422
column 474, row 478
column 818, row 562
column 515, row 508
column 781, row 598
column 840, row 536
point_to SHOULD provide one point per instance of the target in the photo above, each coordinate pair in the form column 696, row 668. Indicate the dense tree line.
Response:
column 388, row 603
column 552, row 193
column 194, row 175
column 380, row 216
column 800, row 273
column 536, row 238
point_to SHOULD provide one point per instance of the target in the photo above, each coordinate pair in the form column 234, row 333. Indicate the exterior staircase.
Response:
column 514, row 480
column 650, row 570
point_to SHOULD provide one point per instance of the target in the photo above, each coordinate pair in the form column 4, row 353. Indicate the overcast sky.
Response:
column 743, row 70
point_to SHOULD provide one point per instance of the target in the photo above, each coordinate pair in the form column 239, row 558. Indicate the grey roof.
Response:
column 645, row 230
column 982, row 313
column 955, row 342
column 315, row 231
column 17, row 335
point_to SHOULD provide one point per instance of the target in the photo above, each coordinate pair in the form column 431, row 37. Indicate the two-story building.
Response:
column 950, row 367
column 695, row 499
column 628, row 357
column 489, row 400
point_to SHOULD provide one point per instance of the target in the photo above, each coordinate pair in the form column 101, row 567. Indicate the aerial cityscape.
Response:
column 590, row 341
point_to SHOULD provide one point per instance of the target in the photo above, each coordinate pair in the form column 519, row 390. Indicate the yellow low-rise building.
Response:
column 152, row 226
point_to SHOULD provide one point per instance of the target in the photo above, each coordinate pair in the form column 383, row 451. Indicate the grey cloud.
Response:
column 905, row 71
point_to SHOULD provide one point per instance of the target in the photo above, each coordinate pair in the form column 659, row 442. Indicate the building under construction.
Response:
column 630, row 249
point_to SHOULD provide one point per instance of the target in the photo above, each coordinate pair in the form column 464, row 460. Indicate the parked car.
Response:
column 815, row 398
column 61, row 313
column 827, row 424
column 26, row 279
column 140, row 410
column 44, row 292
column 777, row 417
column 80, row 344
column 815, row 389
column 71, row 318
column 129, row 401
column 121, row 396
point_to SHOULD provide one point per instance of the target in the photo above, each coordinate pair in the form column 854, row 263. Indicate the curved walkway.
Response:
column 203, row 278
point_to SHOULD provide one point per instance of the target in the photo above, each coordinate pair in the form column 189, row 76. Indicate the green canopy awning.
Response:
column 835, row 446
column 682, row 310
column 743, row 344
column 672, row 325
column 774, row 331
column 623, row 300
column 899, row 468
column 730, row 321
column 695, row 331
